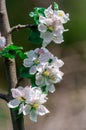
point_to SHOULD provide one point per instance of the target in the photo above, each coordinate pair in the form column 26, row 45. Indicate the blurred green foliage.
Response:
column 77, row 24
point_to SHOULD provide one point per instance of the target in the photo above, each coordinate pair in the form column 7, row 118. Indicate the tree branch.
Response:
column 3, row 96
column 19, row 27
column 10, row 66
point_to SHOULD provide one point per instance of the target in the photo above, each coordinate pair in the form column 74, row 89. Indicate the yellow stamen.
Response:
column 36, row 61
column 51, row 28
column 46, row 73
column 60, row 14
column 21, row 98
column 35, row 105
column 52, row 77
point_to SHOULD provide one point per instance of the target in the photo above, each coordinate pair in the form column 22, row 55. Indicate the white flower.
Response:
column 35, row 58
column 51, row 26
column 48, row 12
column 48, row 75
column 42, row 28
column 57, row 63
column 30, row 101
column 46, row 70
column 31, row 61
column 19, row 98
column 62, row 16
column 35, row 98
column 41, row 110
column 2, row 42
column 48, row 37
column 46, row 56
column 35, row 95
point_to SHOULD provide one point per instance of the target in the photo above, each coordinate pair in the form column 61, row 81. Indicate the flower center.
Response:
column 35, row 105
column 50, row 28
column 21, row 99
column 60, row 14
column 46, row 73
column 36, row 61
column 49, row 74
column 52, row 77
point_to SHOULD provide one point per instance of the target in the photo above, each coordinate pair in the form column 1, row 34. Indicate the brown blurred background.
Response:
column 68, row 103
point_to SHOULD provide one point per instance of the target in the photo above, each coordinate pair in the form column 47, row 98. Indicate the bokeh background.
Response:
column 68, row 103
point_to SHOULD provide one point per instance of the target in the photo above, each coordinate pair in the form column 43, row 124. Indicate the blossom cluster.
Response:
column 51, row 25
column 40, row 65
column 30, row 101
column 45, row 67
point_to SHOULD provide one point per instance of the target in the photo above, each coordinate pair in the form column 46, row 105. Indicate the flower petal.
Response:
column 42, row 110
column 32, row 70
column 21, row 108
column 26, row 109
column 42, row 28
column 45, row 57
column 30, row 54
column 33, row 115
column 62, row 16
column 57, row 62
column 2, row 42
column 13, row 103
column 16, row 93
column 58, row 38
column 47, row 36
column 51, row 88
column 40, row 80
column 42, row 19
column 48, row 12
column 27, row 62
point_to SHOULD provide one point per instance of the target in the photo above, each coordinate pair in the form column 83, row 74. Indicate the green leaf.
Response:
column 44, row 89
column 8, row 53
column 56, row 6
column 21, row 54
column 16, row 109
column 33, row 81
column 13, row 47
column 11, row 51
column 36, row 19
column 37, row 12
column 24, row 72
column 35, row 36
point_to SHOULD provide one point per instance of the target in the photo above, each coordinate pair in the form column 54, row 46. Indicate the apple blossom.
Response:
column 51, row 25
column 46, row 69
column 19, row 97
column 31, row 61
column 36, row 99
column 35, row 58
column 30, row 101
column 48, row 75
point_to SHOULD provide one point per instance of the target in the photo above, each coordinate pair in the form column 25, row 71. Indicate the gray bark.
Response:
column 10, row 67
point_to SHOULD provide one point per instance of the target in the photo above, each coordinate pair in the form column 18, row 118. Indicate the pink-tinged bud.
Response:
column 40, row 51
